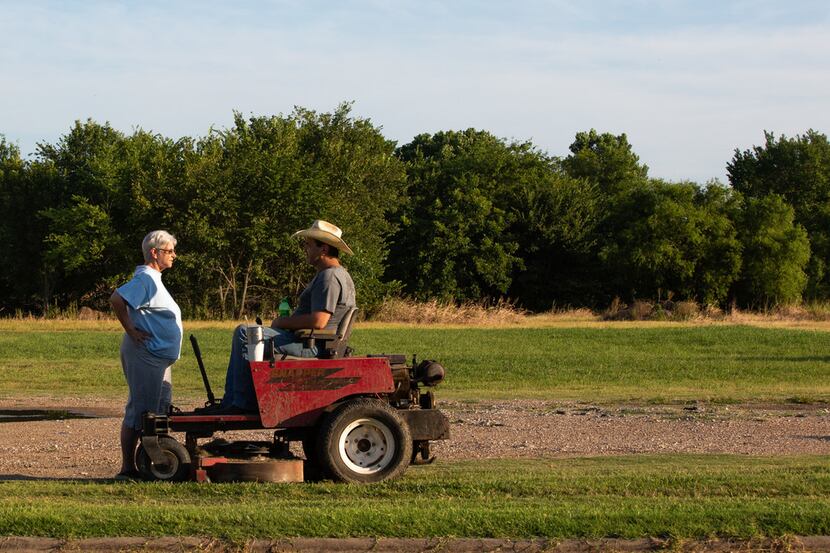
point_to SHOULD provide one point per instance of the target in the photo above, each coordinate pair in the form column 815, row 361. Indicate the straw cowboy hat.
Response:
column 324, row 232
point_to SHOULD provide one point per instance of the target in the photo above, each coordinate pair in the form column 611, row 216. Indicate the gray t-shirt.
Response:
column 330, row 290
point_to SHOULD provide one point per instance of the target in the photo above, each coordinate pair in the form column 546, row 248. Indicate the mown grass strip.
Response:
column 715, row 363
column 666, row 496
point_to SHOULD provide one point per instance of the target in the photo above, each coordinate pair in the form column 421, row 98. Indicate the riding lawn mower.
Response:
column 358, row 418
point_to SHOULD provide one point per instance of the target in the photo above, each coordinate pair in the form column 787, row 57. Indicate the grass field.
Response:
column 650, row 363
column 628, row 497
column 670, row 496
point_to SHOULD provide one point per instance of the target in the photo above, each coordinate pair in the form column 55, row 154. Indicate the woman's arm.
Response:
column 120, row 308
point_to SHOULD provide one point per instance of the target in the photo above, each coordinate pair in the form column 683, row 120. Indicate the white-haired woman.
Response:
column 153, row 341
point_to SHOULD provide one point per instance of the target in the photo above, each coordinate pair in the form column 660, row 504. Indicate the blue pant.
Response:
column 239, row 385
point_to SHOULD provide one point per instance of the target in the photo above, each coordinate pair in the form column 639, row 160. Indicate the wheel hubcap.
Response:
column 168, row 469
column 366, row 446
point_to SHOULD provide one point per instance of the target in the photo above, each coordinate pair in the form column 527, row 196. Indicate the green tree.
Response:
column 102, row 192
column 798, row 170
column 452, row 241
column 81, row 191
column 719, row 262
column 232, row 198
column 776, row 252
column 17, row 232
column 672, row 238
column 606, row 160
column 555, row 220
column 252, row 186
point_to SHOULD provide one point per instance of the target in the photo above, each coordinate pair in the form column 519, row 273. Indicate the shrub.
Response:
column 685, row 311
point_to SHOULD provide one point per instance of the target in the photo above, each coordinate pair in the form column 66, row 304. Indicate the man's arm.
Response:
column 316, row 320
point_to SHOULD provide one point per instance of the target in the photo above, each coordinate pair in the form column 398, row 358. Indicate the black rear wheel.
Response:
column 364, row 440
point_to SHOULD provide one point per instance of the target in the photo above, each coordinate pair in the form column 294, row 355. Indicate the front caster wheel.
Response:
column 364, row 440
column 176, row 467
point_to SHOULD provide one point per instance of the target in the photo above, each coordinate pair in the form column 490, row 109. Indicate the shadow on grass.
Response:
column 780, row 358
column 28, row 478
column 816, row 438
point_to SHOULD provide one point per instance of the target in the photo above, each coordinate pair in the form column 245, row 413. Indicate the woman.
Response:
column 153, row 325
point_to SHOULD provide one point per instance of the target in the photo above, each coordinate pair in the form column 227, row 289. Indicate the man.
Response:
column 323, row 303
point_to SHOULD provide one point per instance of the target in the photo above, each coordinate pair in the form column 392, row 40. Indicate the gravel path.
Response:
column 88, row 448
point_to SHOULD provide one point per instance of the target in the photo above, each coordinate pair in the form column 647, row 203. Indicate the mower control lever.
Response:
column 198, row 353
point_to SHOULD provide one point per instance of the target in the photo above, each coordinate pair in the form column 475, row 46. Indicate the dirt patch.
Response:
column 543, row 429
column 88, row 448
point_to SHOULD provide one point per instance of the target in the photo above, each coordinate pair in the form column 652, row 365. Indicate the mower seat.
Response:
column 330, row 345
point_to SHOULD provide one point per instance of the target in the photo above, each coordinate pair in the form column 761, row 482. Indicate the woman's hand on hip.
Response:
column 138, row 336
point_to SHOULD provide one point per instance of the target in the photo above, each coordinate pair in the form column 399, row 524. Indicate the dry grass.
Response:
column 398, row 310
column 408, row 312
column 666, row 313
column 666, row 310
column 808, row 316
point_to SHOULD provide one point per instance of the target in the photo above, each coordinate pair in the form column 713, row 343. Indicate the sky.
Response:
column 687, row 81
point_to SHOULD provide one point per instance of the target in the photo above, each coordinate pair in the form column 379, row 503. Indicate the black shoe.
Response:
column 129, row 476
column 211, row 409
column 234, row 410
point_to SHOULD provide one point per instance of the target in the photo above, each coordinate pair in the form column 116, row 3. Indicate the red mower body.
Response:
column 294, row 393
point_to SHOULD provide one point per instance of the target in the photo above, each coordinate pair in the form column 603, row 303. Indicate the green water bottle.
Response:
column 284, row 308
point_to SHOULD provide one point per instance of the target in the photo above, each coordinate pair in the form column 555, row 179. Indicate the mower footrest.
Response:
column 427, row 424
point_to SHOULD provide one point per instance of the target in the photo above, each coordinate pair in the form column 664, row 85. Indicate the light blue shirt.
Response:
column 152, row 309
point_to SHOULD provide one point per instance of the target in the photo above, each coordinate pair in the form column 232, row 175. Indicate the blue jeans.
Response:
column 239, row 385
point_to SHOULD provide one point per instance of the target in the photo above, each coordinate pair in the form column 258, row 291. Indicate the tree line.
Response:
column 454, row 216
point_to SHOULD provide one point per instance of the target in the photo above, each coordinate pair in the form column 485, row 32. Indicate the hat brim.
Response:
column 325, row 237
